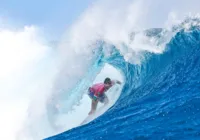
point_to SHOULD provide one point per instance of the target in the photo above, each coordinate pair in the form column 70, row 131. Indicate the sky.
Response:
column 51, row 15
column 54, row 17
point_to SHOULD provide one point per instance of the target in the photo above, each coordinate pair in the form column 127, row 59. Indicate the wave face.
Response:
column 160, row 97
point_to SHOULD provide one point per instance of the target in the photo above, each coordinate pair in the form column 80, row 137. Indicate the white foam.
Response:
column 112, row 22
column 19, row 51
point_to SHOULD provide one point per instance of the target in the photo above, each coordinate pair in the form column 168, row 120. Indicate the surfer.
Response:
column 97, row 93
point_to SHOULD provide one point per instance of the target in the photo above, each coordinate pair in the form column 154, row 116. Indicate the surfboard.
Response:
column 87, row 119
column 98, row 113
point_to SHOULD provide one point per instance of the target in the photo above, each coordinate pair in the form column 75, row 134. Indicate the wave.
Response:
column 160, row 97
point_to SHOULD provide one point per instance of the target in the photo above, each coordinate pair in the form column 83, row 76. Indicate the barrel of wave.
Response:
column 80, row 112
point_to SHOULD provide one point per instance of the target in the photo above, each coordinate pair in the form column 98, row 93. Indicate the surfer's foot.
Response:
column 91, row 112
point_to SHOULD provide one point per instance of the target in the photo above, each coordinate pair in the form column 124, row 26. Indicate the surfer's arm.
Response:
column 116, row 82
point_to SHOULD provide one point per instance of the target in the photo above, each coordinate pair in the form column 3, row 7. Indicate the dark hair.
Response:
column 107, row 81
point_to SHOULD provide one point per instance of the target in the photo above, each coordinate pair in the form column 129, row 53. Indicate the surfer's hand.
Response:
column 118, row 82
column 95, row 97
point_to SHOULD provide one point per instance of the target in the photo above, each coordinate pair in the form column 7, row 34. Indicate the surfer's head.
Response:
column 108, row 83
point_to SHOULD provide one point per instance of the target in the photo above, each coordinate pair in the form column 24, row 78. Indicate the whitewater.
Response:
column 151, row 47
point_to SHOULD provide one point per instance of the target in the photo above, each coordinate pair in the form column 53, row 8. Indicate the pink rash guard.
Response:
column 99, row 89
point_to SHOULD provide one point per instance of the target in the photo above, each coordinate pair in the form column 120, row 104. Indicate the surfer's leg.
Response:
column 93, row 107
column 106, row 101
